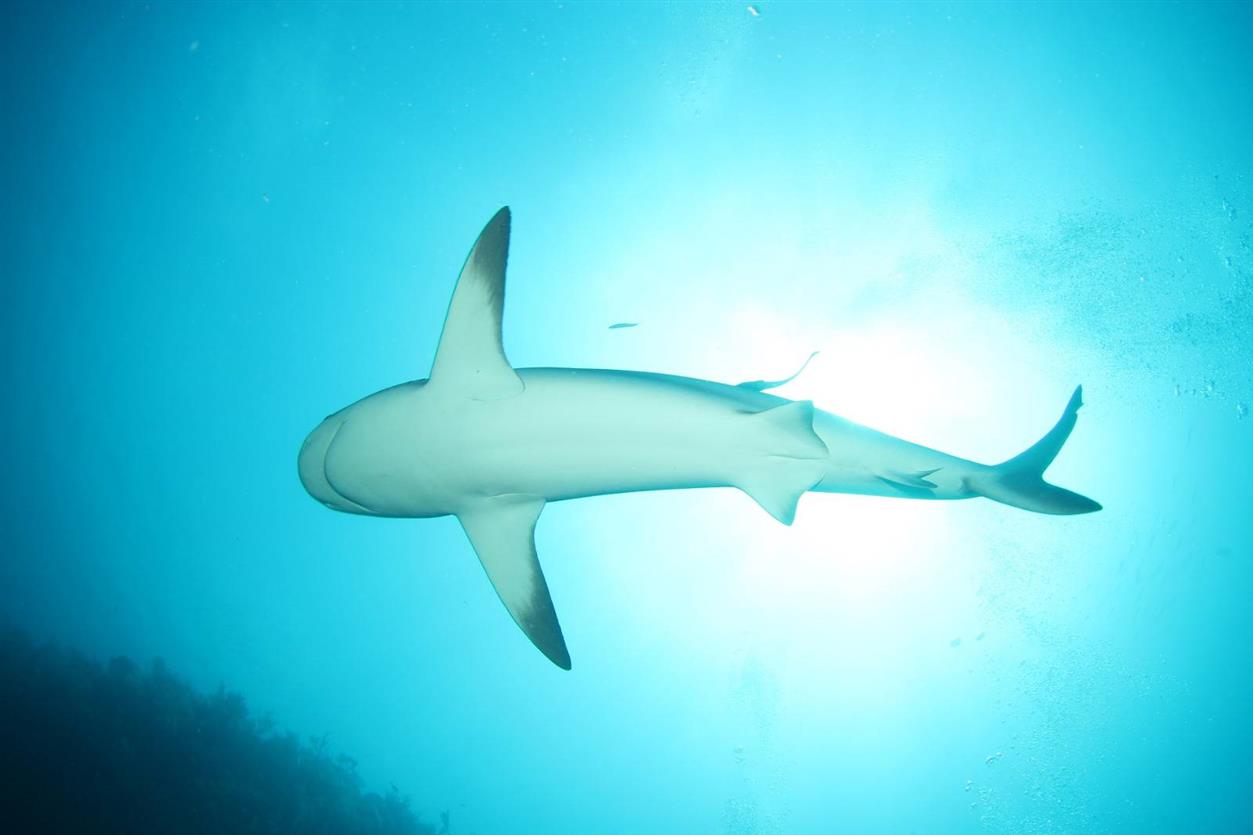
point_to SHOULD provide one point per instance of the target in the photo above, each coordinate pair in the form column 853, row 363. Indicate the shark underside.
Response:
column 492, row 445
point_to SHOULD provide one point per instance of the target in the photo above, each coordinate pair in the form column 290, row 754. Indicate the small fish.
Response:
column 265, row 195
column 620, row 325
column 754, row 11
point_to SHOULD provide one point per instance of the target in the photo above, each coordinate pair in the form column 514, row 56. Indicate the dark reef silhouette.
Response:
column 96, row 748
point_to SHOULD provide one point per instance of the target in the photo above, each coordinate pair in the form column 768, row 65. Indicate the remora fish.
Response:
column 492, row 445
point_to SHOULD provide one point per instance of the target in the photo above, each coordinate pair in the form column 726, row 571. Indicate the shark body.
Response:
column 492, row 445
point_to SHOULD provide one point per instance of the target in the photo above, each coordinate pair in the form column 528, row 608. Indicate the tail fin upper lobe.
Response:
column 1019, row 481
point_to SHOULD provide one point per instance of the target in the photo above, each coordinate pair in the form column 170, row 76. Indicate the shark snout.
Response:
column 311, row 464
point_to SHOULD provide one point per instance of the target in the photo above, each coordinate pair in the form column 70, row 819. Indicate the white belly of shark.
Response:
column 492, row 444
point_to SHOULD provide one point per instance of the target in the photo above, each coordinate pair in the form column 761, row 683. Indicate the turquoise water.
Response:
column 224, row 221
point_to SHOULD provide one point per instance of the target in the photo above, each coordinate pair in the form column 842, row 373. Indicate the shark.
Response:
column 492, row 444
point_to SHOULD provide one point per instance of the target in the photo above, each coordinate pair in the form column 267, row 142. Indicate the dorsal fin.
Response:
column 470, row 360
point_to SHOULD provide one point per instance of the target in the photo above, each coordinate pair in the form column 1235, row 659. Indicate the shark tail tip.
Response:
column 1019, row 482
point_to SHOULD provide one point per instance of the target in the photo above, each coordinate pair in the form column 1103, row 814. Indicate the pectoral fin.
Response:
column 502, row 531
column 470, row 361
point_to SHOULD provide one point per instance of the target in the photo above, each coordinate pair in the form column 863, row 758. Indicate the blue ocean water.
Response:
column 224, row 221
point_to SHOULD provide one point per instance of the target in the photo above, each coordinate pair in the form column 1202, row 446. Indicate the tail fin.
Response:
column 1019, row 481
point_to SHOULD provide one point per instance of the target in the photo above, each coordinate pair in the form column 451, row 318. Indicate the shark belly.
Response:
column 584, row 432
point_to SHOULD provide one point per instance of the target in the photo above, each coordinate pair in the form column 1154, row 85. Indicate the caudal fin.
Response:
column 1020, row 480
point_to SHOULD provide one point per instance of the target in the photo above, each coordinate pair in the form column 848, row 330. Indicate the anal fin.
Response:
column 915, row 484
column 908, row 489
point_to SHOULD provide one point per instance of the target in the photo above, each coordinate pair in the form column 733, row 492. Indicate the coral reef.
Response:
column 117, row 748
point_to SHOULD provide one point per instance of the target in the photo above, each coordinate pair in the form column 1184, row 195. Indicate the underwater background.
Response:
column 224, row 221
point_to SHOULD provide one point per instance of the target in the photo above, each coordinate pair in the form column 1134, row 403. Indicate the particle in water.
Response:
column 754, row 11
column 1242, row 410
column 956, row 642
